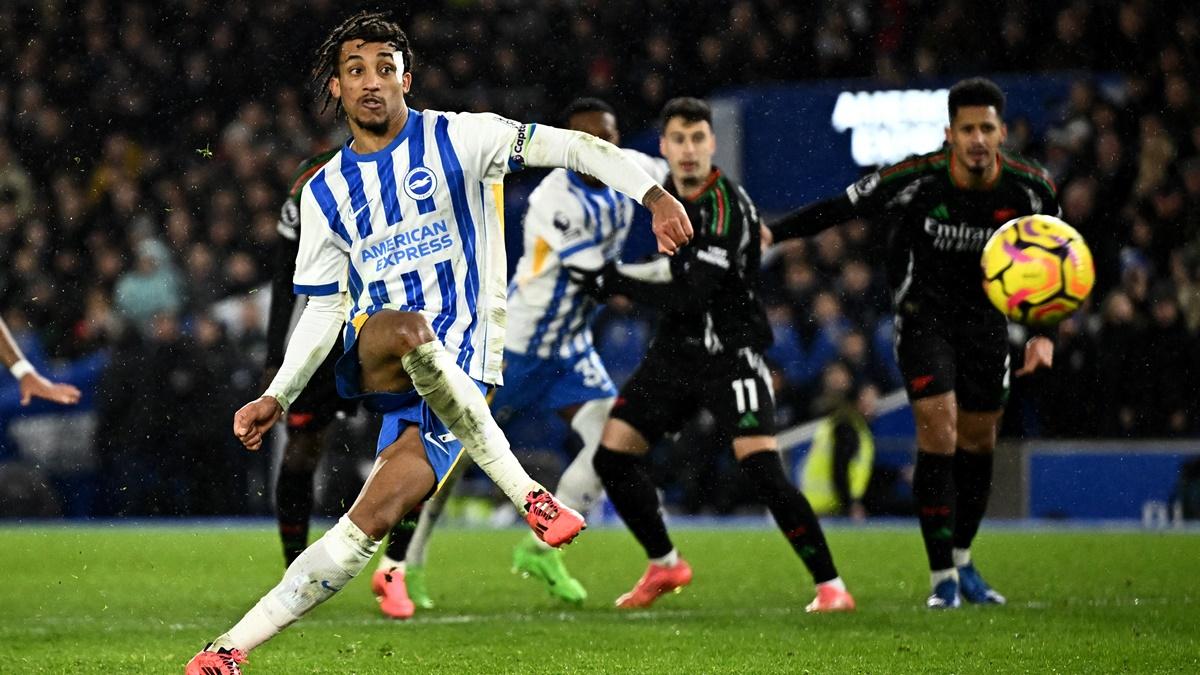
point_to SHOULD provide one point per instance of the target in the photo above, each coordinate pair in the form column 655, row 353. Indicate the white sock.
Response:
column 835, row 582
column 320, row 571
column 580, row 486
column 452, row 395
column 387, row 564
column 430, row 513
column 669, row 560
column 938, row 576
column 962, row 557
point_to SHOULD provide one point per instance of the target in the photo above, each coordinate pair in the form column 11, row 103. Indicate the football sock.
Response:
column 973, row 481
column 835, row 582
column 580, row 486
column 431, row 511
column 453, row 396
column 293, row 507
column 669, row 560
column 933, row 489
column 962, row 556
column 792, row 512
column 627, row 481
column 322, row 570
column 938, row 576
column 396, row 550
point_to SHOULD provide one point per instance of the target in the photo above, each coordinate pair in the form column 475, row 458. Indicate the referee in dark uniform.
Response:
column 952, row 344
column 706, row 354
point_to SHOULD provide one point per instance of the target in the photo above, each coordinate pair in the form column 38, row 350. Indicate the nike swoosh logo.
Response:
column 325, row 584
column 434, row 440
column 354, row 214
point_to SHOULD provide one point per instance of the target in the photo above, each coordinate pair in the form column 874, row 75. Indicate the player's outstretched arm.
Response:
column 813, row 218
column 553, row 147
column 32, row 385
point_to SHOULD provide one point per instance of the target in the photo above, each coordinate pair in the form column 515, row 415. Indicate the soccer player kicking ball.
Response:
column 314, row 410
column 951, row 343
column 401, row 238
column 30, row 383
column 551, row 364
column 706, row 353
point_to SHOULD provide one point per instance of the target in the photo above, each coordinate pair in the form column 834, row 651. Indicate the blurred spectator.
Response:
column 152, row 287
column 142, row 164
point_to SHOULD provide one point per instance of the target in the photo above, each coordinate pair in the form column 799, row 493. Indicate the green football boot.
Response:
column 546, row 565
column 417, row 590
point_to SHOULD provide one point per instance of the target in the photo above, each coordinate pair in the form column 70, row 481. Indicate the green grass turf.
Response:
column 126, row 600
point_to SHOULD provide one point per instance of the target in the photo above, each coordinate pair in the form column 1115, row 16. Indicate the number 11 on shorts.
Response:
column 746, row 391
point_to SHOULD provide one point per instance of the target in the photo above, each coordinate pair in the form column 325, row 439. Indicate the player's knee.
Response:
column 411, row 330
column 977, row 442
column 937, row 433
column 764, row 470
column 303, row 451
column 611, row 465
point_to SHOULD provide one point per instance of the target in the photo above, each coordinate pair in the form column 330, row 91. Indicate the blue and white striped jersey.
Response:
column 567, row 221
column 419, row 226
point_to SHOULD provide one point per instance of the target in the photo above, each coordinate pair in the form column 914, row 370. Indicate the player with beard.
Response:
column 706, row 354
column 952, row 344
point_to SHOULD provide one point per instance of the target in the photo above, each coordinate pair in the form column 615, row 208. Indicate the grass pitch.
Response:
column 143, row 600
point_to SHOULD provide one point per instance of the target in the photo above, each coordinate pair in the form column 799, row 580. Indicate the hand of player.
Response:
column 34, row 385
column 1039, row 353
column 671, row 226
column 254, row 419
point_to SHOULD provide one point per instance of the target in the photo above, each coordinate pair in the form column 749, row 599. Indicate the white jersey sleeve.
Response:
column 322, row 261
column 487, row 144
column 656, row 167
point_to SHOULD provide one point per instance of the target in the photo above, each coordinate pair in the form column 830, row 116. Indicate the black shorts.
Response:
column 940, row 356
column 669, row 389
column 317, row 406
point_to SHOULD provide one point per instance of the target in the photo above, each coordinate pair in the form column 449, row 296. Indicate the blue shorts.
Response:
column 534, row 383
column 442, row 448
column 400, row 411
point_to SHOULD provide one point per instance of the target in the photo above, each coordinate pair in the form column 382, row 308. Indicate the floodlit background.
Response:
column 145, row 149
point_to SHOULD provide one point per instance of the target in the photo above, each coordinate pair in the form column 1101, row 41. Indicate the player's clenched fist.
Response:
column 254, row 419
column 671, row 226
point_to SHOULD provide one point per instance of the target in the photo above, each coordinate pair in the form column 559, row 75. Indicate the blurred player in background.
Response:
column 406, row 248
column 314, row 410
column 951, row 343
column 550, row 363
column 31, row 384
column 706, row 353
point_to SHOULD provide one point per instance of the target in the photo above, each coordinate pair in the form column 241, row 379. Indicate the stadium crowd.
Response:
column 145, row 150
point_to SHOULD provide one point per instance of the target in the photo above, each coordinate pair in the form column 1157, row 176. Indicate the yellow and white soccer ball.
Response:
column 1037, row 270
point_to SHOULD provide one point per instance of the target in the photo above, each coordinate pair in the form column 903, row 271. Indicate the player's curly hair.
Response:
column 365, row 26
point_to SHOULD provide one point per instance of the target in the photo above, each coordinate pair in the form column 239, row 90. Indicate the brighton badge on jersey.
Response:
column 418, row 226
